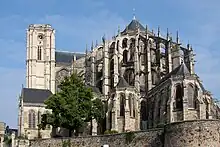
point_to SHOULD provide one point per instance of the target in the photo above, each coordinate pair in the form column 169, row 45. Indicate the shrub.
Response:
column 110, row 132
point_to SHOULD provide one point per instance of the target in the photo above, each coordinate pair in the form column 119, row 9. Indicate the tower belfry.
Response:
column 40, row 57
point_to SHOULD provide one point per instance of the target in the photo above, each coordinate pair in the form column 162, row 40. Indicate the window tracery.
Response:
column 32, row 119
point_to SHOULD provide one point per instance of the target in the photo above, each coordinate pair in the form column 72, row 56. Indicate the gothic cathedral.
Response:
column 148, row 80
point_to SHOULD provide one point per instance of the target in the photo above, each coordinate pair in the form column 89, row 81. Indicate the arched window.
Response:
column 39, row 117
column 32, row 119
column 191, row 96
column 132, row 50
column 143, row 110
column 130, row 104
column 154, row 77
column 133, row 100
column 117, row 45
column 132, row 44
column 112, row 48
column 112, row 73
column 125, row 56
column 48, row 126
column 129, row 76
column 39, row 53
column 159, row 108
column 125, row 43
column 122, row 105
column 179, row 97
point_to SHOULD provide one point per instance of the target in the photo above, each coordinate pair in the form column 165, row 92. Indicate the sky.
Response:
column 79, row 22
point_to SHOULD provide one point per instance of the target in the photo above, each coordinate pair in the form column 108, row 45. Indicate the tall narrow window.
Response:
column 133, row 106
column 191, row 96
column 125, row 56
column 122, row 105
column 32, row 119
column 179, row 97
column 39, row 50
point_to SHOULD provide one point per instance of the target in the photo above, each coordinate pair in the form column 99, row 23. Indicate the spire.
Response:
column 134, row 18
column 86, row 50
column 103, row 39
column 92, row 46
column 168, row 34
column 158, row 31
column 118, row 30
column 188, row 45
column 96, row 43
column 177, row 37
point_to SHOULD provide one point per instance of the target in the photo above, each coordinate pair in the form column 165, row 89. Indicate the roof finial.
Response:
column 168, row 34
column 177, row 37
column 118, row 30
column 96, row 43
column 92, row 46
column 158, row 31
column 134, row 18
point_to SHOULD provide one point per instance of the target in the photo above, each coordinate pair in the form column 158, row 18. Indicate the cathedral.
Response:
column 146, row 79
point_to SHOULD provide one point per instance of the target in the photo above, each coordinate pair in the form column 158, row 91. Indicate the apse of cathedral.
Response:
column 147, row 79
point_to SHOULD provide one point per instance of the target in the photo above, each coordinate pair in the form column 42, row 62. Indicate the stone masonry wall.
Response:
column 150, row 138
column 197, row 133
column 201, row 133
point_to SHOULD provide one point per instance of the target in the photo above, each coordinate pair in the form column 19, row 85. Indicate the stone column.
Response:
column 137, row 64
column 185, row 102
column 94, row 127
column 116, row 63
column 1, row 141
column 138, row 108
column 148, row 64
column 105, row 69
column 168, row 53
column 127, row 112
column 191, row 60
column 115, row 114
column 176, row 54
column 93, row 69
column 13, row 139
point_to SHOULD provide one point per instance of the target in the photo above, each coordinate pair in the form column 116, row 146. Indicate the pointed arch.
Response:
column 125, row 56
column 112, row 48
column 31, row 119
column 129, row 76
column 122, row 104
column 112, row 73
column 191, row 96
column 125, row 43
column 179, row 97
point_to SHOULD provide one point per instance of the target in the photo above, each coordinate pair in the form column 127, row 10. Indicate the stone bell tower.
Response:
column 40, row 61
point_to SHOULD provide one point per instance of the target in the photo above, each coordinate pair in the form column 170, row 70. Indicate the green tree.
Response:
column 72, row 106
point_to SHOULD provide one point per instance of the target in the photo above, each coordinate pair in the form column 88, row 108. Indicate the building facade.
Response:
column 147, row 79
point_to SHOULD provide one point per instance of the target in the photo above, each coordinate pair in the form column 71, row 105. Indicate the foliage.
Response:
column 22, row 137
column 66, row 143
column 129, row 137
column 72, row 106
column 110, row 132
column 7, row 140
column 98, row 110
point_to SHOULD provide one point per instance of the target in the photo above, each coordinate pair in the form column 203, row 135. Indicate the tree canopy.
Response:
column 72, row 106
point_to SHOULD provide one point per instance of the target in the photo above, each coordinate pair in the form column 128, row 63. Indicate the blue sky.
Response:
column 78, row 23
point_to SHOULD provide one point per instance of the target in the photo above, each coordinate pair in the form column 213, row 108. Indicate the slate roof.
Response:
column 30, row 95
column 94, row 89
column 67, row 57
column 180, row 70
column 133, row 26
column 122, row 83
